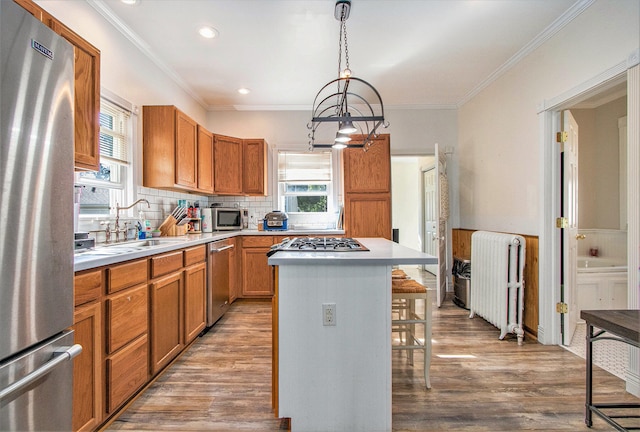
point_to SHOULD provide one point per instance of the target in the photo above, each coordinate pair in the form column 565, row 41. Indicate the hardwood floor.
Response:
column 223, row 382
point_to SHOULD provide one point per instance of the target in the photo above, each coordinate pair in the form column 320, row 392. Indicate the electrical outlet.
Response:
column 328, row 314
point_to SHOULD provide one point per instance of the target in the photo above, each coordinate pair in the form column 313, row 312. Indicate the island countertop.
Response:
column 381, row 252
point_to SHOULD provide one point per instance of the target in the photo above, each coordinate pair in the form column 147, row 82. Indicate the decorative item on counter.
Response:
column 593, row 252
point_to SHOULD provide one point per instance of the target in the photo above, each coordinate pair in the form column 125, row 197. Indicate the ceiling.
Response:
column 417, row 53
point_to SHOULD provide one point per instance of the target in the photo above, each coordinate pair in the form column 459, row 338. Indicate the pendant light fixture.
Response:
column 348, row 105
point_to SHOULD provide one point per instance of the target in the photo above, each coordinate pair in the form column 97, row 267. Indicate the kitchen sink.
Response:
column 128, row 247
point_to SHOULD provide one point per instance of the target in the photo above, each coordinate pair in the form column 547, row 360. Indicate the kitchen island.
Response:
column 338, row 376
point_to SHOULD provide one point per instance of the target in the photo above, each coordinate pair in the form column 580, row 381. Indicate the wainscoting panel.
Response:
column 461, row 247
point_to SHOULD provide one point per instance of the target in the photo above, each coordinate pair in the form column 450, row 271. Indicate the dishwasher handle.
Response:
column 224, row 248
column 60, row 355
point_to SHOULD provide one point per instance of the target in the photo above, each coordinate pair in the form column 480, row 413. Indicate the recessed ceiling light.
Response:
column 129, row 2
column 244, row 90
column 208, row 32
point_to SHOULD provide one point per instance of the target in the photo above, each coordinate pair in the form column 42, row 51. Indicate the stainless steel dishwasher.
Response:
column 218, row 283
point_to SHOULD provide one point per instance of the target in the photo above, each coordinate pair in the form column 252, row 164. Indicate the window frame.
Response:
column 332, row 185
column 121, row 191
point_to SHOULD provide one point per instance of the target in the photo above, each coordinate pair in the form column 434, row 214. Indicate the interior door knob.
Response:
column 581, row 236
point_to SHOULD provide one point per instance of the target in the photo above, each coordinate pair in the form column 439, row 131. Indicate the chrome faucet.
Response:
column 118, row 208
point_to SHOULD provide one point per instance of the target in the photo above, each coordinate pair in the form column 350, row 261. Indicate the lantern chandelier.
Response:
column 351, row 103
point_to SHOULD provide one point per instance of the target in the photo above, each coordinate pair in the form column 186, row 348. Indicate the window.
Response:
column 112, row 183
column 305, row 182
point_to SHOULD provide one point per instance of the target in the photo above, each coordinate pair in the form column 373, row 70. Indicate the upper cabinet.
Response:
column 205, row 160
column 367, row 190
column 86, row 90
column 227, row 165
column 186, row 150
column 370, row 171
column 177, row 152
column 254, row 174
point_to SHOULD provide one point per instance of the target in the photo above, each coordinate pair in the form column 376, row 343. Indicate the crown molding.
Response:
column 101, row 7
column 564, row 19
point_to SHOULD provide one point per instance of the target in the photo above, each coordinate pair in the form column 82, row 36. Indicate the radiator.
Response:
column 497, row 285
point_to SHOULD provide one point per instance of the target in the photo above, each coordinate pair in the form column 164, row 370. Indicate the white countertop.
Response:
column 381, row 252
column 119, row 252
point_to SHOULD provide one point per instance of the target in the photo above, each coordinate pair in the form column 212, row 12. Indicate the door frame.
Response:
column 549, row 329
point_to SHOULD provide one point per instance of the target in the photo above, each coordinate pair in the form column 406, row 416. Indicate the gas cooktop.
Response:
column 322, row 244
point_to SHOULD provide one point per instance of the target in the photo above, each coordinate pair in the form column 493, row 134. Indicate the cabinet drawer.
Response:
column 87, row 286
column 127, row 317
column 166, row 263
column 126, row 275
column 195, row 255
column 127, row 371
column 257, row 241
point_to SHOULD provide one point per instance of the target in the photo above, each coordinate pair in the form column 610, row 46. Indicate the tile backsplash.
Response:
column 163, row 202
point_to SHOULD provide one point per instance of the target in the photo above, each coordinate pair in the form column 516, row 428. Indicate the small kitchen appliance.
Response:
column 275, row 221
column 226, row 219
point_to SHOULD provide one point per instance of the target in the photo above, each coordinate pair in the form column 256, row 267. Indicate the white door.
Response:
column 430, row 241
column 442, row 198
column 570, row 233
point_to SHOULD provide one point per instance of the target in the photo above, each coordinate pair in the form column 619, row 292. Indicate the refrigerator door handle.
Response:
column 59, row 356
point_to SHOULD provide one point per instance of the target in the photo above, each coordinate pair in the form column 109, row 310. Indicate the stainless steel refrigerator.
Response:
column 36, row 224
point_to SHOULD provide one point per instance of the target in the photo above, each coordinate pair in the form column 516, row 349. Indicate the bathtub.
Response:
column 601, row 283
column 589, row 264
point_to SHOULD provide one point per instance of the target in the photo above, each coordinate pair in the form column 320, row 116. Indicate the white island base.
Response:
column 335, row 377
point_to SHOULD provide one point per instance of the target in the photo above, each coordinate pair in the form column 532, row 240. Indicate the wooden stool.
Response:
column 404, row 293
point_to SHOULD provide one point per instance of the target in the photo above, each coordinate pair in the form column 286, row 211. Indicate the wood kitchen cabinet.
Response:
column 166, row 299
column 254, row 170
column 186, row 151
column 367, row 215
column 227, row 165
column 367, row 190
column 257, row 279
column 235, row 277
column 195, row 292
column 86, row 90
column 177, row 152
column 205, row 160
column 167, row 339
column 126, row 341
column 87, row 366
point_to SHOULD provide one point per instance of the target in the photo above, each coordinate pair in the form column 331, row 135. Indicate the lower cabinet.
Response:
column 167, row 338
column 256, row 272
column 87, row 368
column 127, row 363
column 127, row 371
column 368, row 215
column 195, row 300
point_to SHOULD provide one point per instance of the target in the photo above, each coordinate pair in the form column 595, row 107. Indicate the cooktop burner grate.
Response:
column 323, row 244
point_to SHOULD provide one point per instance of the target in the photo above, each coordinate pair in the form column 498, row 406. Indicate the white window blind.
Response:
column 114, row 136
column 304, row 167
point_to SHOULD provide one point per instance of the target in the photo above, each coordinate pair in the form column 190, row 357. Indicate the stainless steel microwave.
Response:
column 227, row 219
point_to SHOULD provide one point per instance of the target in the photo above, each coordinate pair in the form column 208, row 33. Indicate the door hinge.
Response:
column 562, row 308
column 562, row 222
column 562, row 137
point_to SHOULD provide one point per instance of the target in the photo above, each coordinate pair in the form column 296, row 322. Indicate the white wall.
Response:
column 406, row 198
column 599, row 165
column 498, row 150
column 413, row 132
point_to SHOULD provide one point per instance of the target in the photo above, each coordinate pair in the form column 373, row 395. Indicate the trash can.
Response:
column 462, row 282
